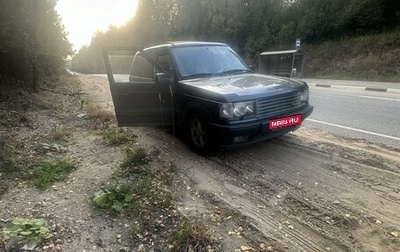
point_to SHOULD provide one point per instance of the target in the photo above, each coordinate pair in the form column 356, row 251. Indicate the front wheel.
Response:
column 198, row 134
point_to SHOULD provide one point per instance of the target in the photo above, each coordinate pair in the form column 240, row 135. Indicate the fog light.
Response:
column 240, row 139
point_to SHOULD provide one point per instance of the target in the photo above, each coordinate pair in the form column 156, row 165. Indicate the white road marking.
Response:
column 358, row 96
column 353, row 129
column 379, row 98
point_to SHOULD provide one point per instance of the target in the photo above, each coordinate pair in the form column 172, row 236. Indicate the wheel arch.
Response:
column 194, row 107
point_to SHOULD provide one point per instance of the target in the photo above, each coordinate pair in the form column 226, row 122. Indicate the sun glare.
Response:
column 83, row 18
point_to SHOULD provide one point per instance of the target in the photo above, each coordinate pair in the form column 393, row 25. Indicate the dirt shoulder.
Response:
column 307, row 191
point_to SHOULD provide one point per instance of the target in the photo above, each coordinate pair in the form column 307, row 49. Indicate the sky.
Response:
column 82, row 18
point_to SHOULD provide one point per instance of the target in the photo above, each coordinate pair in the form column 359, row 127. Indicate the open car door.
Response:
column 139, row 97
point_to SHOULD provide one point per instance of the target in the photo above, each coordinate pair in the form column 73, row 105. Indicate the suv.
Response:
column 205, row 89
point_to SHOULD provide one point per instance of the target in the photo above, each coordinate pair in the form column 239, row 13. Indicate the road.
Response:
column 374, row 116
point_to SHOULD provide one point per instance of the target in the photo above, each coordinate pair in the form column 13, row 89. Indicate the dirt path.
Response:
column 307, row 191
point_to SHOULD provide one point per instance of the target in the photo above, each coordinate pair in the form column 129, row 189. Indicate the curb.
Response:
column 387, row 90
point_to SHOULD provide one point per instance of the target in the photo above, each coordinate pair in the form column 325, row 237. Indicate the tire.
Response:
column 198, row 134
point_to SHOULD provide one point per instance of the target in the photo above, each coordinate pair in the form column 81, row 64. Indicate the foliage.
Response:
column 26, row 231
column 33, row 42
column 52, row 171
column 31, row 229
column 116, row 199
column 249, row 26
column 192, row 236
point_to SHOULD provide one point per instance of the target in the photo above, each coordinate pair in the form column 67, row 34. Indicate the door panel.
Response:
column 138, row 100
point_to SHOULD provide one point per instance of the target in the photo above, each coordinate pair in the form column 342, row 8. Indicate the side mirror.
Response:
column 163, row 78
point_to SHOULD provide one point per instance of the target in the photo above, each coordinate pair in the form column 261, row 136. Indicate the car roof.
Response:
column 186, row 43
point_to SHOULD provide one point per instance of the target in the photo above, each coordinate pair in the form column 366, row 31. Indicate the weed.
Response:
column 60, row 133
column 118, row 136
column 115, row 199
column 134, row 159
column 8, row 157
column 192, row 236
column 9, row 164
column 94, row 112
column 26, row 231
column 52, row 171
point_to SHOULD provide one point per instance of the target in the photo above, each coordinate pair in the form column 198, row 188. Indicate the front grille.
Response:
column 271, row 106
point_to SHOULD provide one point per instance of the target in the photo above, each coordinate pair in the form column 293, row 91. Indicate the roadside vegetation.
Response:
column 372, row 57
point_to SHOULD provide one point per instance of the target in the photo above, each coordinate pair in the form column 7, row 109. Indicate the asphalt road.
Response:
column 374, row 116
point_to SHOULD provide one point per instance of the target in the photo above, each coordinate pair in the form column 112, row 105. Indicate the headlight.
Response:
column 304, row 96
column 236, row 110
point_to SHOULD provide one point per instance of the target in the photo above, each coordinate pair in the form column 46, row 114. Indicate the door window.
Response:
column 141, row 70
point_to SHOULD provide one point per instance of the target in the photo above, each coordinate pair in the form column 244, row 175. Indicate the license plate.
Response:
column 284, row 122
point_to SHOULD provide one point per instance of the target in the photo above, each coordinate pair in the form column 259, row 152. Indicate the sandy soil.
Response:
column 306, row 191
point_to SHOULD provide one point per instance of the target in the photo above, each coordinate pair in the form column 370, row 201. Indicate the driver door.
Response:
column 138, row 98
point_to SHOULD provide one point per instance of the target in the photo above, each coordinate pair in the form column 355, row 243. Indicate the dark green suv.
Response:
column 206, row 90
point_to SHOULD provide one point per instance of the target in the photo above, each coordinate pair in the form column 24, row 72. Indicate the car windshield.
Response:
column 207, row 60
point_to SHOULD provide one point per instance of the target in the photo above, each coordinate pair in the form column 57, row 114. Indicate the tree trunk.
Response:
column 35, row 74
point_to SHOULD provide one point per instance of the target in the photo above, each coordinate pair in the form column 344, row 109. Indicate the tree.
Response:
column 33, row 42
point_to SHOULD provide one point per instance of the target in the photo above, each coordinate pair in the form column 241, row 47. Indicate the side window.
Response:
column 141, row 70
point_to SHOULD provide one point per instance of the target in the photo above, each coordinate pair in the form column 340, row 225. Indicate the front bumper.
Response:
column 254, row 131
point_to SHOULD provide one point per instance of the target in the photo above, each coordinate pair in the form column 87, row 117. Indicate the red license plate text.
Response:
column 284, row 122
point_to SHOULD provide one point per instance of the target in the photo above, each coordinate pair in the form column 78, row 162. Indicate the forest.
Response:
column 248, row 26
column 33, row 42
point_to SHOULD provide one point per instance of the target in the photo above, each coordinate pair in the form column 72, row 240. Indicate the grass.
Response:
column 133, row 159
column 118, row 136
column 193, row 236
column 60, row 133
column 98, row 114
column 8, row 163
column 142, row 192
column 52, row 171
column 133, row 188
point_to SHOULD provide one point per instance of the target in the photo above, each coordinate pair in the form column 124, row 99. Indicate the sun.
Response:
column 82, row 18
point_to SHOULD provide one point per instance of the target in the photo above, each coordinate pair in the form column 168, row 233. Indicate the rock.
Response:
column 246, row 248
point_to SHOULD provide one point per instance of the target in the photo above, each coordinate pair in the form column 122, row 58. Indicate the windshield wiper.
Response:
column 236, row 71
column 198, row 75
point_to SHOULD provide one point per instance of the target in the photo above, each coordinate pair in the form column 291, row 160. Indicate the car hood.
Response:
column 246, row 84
